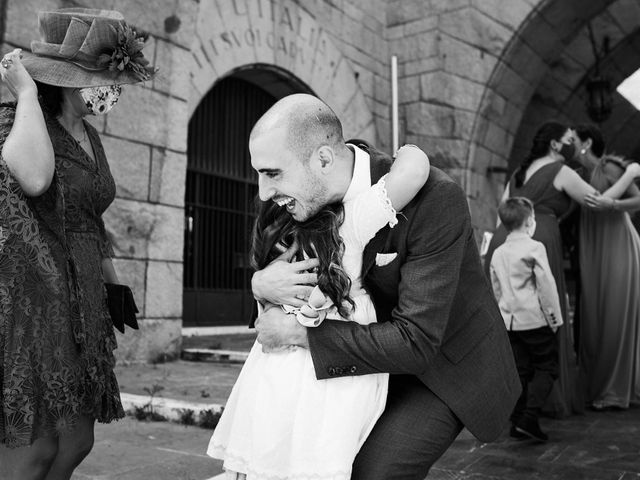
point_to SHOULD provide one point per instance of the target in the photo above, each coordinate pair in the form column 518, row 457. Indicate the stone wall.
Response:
column 468, row 70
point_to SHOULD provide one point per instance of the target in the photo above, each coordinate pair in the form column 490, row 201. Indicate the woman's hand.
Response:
column 15, row 76
column 596, row 201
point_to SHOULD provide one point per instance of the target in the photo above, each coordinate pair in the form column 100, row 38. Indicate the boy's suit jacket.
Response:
column 437, row 316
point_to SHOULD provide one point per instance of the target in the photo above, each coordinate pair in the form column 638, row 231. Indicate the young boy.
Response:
column 528, row 299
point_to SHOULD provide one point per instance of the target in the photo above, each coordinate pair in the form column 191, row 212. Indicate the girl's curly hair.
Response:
column 275, row 230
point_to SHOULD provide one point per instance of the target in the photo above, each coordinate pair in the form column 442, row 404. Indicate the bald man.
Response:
column 439, row 333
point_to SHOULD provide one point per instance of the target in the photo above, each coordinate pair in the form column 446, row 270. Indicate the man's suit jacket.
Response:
column 437, row 317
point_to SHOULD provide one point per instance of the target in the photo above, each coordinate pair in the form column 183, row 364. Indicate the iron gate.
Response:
column 219, row 200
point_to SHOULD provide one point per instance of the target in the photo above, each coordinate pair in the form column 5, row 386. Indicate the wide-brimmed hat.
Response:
column 86, row 48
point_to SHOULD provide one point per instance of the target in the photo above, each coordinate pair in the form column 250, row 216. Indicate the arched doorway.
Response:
column 220, row 191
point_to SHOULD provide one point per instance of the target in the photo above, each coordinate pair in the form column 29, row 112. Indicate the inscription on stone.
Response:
column 293, row 32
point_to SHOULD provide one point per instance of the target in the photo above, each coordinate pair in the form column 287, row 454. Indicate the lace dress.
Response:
column 280, row 421
column 56, row 336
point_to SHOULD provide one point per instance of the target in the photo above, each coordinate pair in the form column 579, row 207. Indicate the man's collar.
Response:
column 361, row 178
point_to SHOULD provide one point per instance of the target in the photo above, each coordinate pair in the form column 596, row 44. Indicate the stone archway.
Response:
column 284, row 35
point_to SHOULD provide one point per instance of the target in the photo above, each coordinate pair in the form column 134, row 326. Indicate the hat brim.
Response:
column 61, row 73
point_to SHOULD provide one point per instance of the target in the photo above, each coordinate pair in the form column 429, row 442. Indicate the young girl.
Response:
column 280, row 422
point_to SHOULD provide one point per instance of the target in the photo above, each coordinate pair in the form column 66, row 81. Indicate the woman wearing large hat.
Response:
column 56, row 335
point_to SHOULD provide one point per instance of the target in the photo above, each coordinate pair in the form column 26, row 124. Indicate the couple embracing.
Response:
column 378, row 336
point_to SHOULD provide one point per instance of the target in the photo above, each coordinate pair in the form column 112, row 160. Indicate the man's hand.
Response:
column 277, row 329
column 284, row 282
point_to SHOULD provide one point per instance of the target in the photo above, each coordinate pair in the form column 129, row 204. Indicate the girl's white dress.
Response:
column 280, row 422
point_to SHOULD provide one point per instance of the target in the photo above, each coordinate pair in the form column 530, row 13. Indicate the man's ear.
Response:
column 325, row 156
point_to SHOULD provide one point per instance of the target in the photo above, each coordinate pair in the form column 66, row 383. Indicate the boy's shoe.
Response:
column 514, row 433
column 530, row 427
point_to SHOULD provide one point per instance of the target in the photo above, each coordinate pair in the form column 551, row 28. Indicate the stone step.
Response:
column 213, row 355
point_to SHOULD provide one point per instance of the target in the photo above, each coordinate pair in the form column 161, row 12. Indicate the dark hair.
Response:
column 587, row 131
column 274, row 230
column 51, row 98
column 514, row 211
column 540, row 146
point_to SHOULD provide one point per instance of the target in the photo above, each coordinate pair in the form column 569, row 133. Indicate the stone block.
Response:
column 479, row 158
column 365, row 79
column 176, row 65
column 368, row 133
column 403, row 11
column 465, row 60
column 509, row 84
column 167, row 237
column 626, row 14
column 483, row 216
column 416, row 47
column 521, row 58
column 511, row 13
column 383, row 130
column 421, row 25
column 458, row 175
column 423, row 65
column 164, row 290
column 382, row 87
column 394, row 32
column 129, row 163
column 509, row 114
column 451, row 90
column 129, row 224
column 545, row 40
column 439, row 121
column 168, row 176
column 444, row 153
column 158, row 340
column 133, row 273
column 475, row 28
column 498, row 139
column 356, row 115
column 493, row 105
column 151, row 117
column 409, row 89
column 21, row 23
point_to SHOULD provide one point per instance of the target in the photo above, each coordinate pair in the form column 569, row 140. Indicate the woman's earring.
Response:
column 583, row 151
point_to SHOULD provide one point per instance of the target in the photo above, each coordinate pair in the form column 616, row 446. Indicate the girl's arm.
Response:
column 27, row 150
column 407, row 176
column 573, row 185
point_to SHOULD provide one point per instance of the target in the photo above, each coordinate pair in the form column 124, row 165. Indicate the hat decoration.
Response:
column 127, row 54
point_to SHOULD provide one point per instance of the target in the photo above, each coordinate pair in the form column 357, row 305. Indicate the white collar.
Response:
column 361, row 178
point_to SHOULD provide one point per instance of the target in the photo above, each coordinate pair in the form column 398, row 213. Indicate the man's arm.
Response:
column 438, row 233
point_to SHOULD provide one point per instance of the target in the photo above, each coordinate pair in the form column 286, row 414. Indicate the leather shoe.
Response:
column 514, row 433
column 531, row 428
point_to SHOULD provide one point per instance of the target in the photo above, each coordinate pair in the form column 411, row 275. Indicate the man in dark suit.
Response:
column 439, row 333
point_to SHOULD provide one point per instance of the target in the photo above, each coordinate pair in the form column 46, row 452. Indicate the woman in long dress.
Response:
column 545, row 180
column 610, row 275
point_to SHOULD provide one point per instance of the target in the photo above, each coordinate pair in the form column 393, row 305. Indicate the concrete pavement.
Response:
column 594, row 446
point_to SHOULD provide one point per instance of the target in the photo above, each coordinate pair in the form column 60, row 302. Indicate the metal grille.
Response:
column 220, row 191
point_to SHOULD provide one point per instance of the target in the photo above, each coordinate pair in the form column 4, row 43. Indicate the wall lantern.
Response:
column 599, row 96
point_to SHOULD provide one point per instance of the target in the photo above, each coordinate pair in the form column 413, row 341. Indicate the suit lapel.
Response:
column 379, row 165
